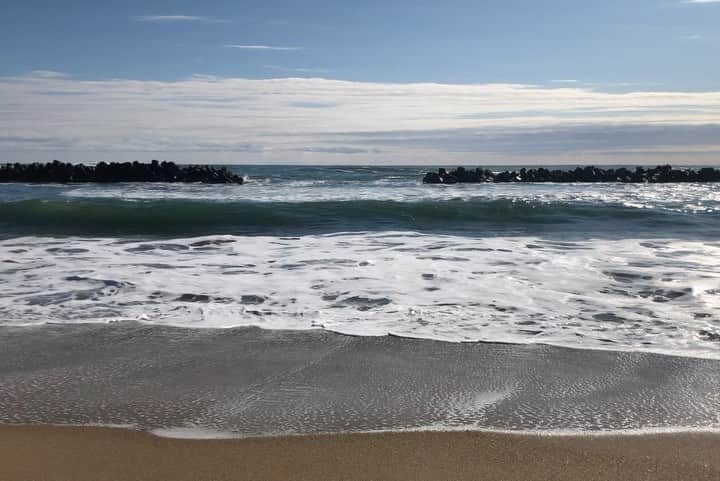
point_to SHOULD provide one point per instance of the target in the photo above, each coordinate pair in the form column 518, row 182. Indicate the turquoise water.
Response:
column 292, row 200
column 372, row 251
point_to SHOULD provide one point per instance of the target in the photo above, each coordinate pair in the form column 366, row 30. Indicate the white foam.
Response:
column 200, row 433
column 194, row 432
column 672, row 197
column 650, row 431
column 632, row 294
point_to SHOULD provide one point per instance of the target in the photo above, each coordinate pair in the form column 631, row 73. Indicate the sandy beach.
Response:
column 359, row 241
column 96, row 454
column 256, row 386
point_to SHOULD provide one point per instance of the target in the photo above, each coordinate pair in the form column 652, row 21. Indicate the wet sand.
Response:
column 94, row 454
column 253, row 382
column 250, row 383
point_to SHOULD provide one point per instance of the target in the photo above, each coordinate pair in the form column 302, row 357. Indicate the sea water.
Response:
column 371, row 251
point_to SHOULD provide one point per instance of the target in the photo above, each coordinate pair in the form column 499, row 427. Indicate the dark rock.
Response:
column 432, row 178
column 60, row 172
column 590, row 174
column 708, row 174
column 442, row 177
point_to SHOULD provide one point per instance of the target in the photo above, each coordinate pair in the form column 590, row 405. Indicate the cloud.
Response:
column 340, row 150
column 313, row 105
column 47, row 74
column 261, row 47
column 172, row 18
column 280, row 68
column 209, row 118
column 701, row 1
column 552, row 140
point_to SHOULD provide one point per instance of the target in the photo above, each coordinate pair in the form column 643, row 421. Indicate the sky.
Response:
column 339, row 82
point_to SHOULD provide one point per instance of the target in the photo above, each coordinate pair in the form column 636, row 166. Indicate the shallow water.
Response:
column 254, row 382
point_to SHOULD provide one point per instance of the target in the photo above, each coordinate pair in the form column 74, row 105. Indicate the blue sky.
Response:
column 649, row 43
column 186, row 58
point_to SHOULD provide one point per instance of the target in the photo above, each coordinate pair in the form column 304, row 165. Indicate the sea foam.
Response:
column 630, row 294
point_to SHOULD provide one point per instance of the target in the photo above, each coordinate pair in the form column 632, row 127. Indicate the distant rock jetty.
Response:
column 639, row 175
column 61, row 172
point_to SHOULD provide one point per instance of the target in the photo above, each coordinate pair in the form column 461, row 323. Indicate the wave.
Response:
column 629, row 294
column 474, row 216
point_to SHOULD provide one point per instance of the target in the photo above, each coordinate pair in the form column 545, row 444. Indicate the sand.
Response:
column 43, row 453
column 256, row 382
column 331, row 388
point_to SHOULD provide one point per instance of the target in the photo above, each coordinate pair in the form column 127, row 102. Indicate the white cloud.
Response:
column 281, row 68
column 262, row 120
column 172, row 18
column 261, row 47
column 47, row 74
column 701, row 1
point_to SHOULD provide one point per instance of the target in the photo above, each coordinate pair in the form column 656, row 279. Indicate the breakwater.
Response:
column 639, row 175
column 62, row 172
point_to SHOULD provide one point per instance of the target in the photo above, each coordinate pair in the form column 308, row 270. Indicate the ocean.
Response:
column 371, row 251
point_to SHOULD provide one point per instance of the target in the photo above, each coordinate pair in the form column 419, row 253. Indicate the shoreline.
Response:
column 609, row 349
column 98, row 454
column 135, row 402
column 198, row 433
column 252, row 382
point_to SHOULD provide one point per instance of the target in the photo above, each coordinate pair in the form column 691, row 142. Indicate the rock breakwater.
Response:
column 155, row 171
column 659, row 174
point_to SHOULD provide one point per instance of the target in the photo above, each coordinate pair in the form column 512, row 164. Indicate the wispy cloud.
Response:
column 701, row 1
column 263, row 120
column 281, row 68
column 339, row 150
column 262, row 47
column 47, row 74
column 172, row 18
column 313, row 105
column 564, row 81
